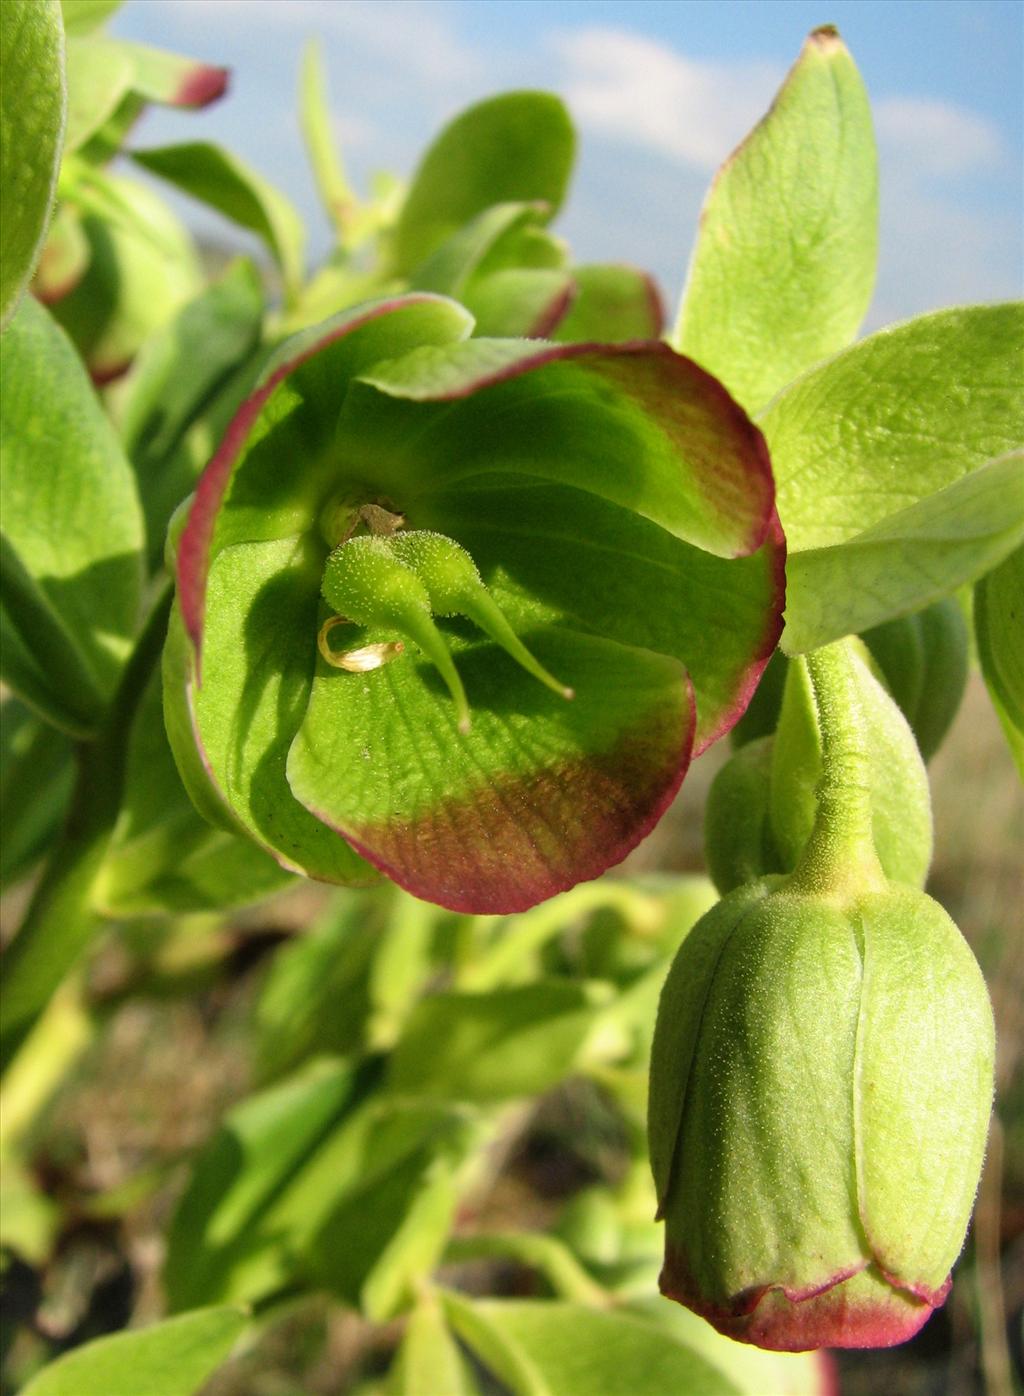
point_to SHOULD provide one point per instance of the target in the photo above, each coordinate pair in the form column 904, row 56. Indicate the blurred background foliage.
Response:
column 187, row 1045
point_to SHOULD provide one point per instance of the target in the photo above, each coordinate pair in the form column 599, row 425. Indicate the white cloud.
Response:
column 937, row 138
column 405, row 34
column 636, row 89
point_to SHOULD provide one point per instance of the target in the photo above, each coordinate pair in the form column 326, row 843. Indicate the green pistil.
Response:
column 396, row 582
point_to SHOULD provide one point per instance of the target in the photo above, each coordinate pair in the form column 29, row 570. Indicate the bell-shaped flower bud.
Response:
column 821, row 1081
column 820, row 1093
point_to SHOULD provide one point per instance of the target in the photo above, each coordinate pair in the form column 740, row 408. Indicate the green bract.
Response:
column 561, row 518
column 784, row 266
column 820, row 1090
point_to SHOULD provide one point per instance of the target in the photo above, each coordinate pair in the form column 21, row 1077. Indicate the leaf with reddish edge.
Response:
column 420, row 315
column 172, row 80
column 539, row 795
column 650, row 430
column 230, row 723
column 103, row 71
column 613, row 303
column 520, row 301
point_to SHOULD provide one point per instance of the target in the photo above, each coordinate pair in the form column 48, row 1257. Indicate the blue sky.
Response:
column 661, row 90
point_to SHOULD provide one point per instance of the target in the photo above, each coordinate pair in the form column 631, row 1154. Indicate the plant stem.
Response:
column 840, row 855
column 547, row 1254
column 59, row 920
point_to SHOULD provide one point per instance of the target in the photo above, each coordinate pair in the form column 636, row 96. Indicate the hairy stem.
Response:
column 840, row 854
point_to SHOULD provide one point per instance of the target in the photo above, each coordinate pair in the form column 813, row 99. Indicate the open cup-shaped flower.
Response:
column 465, row 609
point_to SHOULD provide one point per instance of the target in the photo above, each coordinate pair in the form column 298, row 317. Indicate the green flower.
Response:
column 609, row 515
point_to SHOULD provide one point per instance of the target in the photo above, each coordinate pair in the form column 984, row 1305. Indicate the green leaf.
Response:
column 414, row 1249
column 218, row 1244
column 99, row 74
column 32, row 111
column 429, row 1362
column 613, row 303
column 548, row 1255
column 460, row 257
column 525, row 302
column 924, row 660
column 172, row 1358
column 109, row 141
column 75, row 529
column 35, row 784
column 785, row 262
column 184, row 373
column 30, row 1220
column 143, row 268
column 900, row 800
column 316, row 996
column 215, row 177
column 317, row 1181
column 517, row 146
column 505, row 269
column 42, row 660
column 864, row 446
column 402, row 964
column 164, row 858
column 493, row 1046
column 752, row 1371
column 84, row 16
column 543, row 1348
column 378, row 1201
column 909, row 560
column 999, row 626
